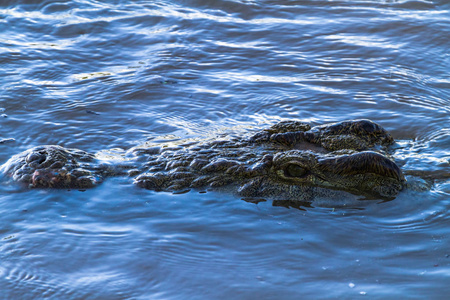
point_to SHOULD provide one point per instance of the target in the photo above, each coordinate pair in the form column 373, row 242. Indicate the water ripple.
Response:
column 101, row 75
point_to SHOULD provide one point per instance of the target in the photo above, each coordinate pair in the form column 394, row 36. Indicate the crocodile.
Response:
column 291, row 160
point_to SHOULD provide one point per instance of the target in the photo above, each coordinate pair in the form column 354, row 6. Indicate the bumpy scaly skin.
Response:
column 53, row 167
column 289, row 161
column 352, row 135
column 269, row 164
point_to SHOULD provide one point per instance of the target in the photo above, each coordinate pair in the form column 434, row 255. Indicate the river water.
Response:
column 114, row 74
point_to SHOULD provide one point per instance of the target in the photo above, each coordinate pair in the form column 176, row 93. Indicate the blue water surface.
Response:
column 99, row 75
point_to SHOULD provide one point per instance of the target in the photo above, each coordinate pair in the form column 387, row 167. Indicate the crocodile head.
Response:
column 289, row 161
column 285, row 175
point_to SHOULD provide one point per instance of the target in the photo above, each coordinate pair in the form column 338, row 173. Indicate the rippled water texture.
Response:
column 101, row 75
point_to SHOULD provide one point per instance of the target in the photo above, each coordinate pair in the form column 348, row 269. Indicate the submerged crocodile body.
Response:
column 290, row 161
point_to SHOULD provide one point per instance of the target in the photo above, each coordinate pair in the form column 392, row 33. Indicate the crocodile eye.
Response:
column 293, row 170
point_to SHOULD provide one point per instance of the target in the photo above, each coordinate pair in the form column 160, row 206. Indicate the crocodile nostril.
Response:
column 37, row 158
